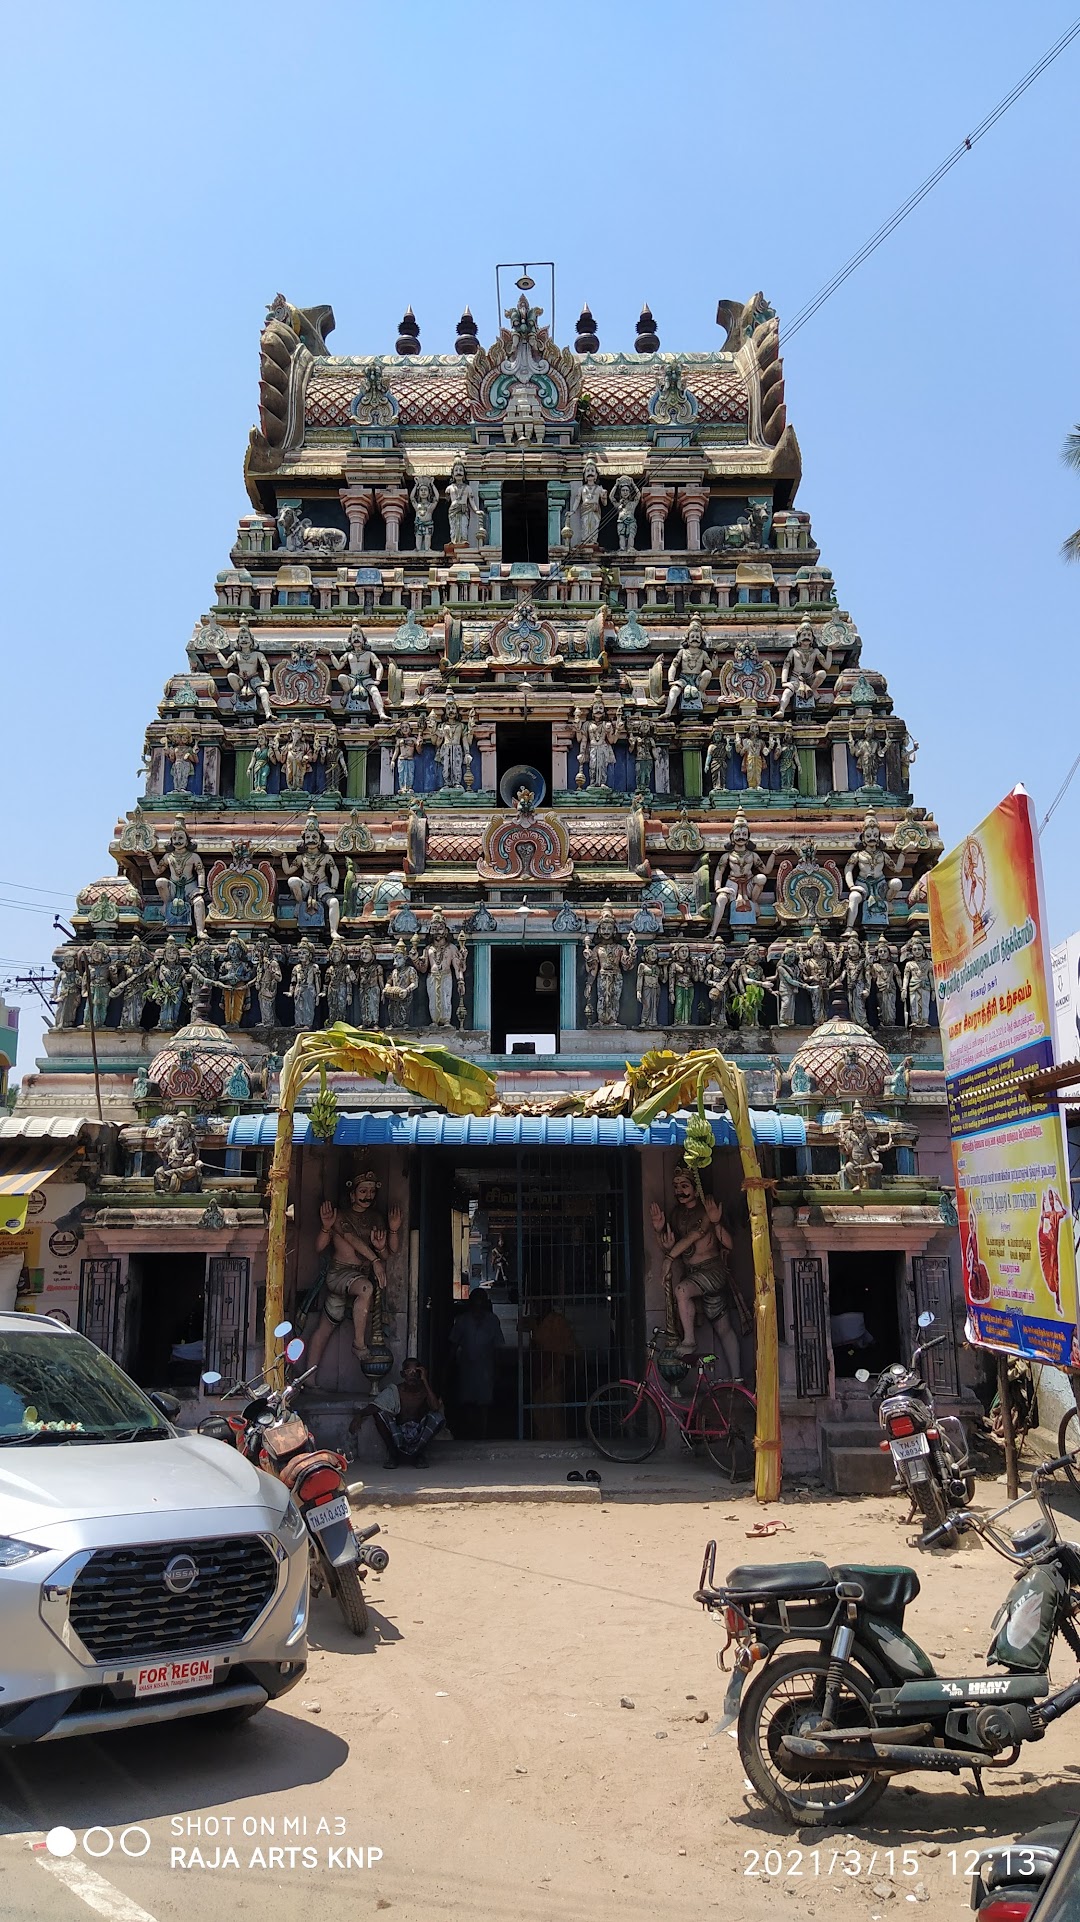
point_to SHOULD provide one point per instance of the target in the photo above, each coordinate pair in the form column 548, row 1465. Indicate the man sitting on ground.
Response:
column 406, row 1415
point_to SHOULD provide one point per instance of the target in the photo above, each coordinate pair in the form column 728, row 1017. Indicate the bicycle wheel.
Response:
column 1069, row 1442
column 726, row 1420
column 623, row 1422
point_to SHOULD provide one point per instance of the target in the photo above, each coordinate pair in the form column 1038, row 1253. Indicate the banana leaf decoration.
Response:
column 663, row 1082
column 434, row 1073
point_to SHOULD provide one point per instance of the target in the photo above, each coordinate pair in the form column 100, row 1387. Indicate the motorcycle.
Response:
column 822, row 1730
column 930, row 1452
column 270, row 1434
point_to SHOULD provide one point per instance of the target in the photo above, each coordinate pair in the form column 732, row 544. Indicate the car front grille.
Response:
column 122, row 1610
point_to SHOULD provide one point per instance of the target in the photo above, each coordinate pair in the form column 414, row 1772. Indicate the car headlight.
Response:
column 291, row 1526
column 12, row 1551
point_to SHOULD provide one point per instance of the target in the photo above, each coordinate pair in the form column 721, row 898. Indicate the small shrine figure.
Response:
column 787, row 756
column 906, row 750
column 235, row 975
column 133, row 987
column 339, row 982
column 369, row 983
column 399, row 994
column 718, row 970
column 523, row 419
column 607, row 959
column 168, row 983
column 748, row 971
column 857, row 1139
column 696, row 1270
column 296, row 758
column 741, row 875
column 179, row 1170
column 183, row 758
column 304, row 989
column 681, row 976
column 453, row 734
column 641, row 739
column 649, row 979
column 867, row 749
column 312, row 874
column 853, row 975
column 886, row 978
column 180, row 878
column 358, row 1236
column 359, row 672
column 201, row 981
column 817, row 966
column 786, row 982
column 596, row 735
column 690, row 673
column 592, row 498
column 67, row 988
column 424, row 497
column 405, row 747
column 865, row 873
column 625, row 496
column 98, row 979
column 917, row 982
column 260, row 761
column 754, row 750
column 803, row 672
column 716, row 758
column 327, row 753
column 442, row 960
column 248, row 673
column 461, row 505
column 267, row 980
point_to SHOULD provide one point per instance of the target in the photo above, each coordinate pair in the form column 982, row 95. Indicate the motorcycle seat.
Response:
column 292, row 1471
column 781, row 1580
column 887, row 1589
column 972, row 1690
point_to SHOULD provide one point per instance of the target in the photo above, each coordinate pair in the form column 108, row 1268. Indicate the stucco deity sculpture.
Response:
column 857, row 1139
column 424, row 496
column 524, row 416
column 260, row 761
column 690, row 673
column 885, row 976
column 339, row 982
column 201, row 980
column 682, row 977
column 179, row 1170
column 369, row 982
column 672, row 405
column 740, row 876
column 592, row 498
column 748, row 969
column 452, row 734
column 625, row 496
column 247, row 672
column 442, row 959
column 293, row 753
column 866, row 874
column 917, row 982
column 696, row 1271
column 461, row 504
column 298, row 536
column 328, row 753
column 399, row 994
column 132, row 987
column 312, row 874
column 787, row 755
column 649, row 980
column 67, row 988
column 867, row 746
column 180, row 877
column 853, row 975
column 817, row 966
column 98, row 974
column 906, row 749
column 787, row 980
column 305, row 988
column 718, row 970
column 183, row 758
column 168, row 983
column 408, row 736
column 359, row 672
column 754, row 748
column 267, row 980
column 803, row 672
column 641, row 739
column 596, row 734
column 607, row 959
column 358, row 1237
column 235, row 976
column 716, row 758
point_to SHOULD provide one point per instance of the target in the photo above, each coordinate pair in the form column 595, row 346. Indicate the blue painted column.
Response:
column 491, row 502
column 568, row 1013
column 481, row 984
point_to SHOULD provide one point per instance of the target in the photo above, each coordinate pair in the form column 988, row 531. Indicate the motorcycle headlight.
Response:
column 13, row 1552
column 291, row 1526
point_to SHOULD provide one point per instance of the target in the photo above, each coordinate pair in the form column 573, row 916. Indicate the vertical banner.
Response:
column 995, row 1007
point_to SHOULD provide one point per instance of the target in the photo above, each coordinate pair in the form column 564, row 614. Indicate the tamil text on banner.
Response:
column 991, row 969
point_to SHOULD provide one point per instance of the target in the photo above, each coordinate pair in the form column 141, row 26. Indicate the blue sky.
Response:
column 170, row 169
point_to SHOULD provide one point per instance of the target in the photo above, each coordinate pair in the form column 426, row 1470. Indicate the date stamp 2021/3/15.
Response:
column 809, row 1864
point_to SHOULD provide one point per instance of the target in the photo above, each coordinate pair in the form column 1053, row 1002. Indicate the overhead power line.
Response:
column 1061, row 793
column 889, row 226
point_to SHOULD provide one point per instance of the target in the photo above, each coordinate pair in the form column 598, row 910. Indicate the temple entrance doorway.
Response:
column 524, row 520
column 170, row 1311
column 524, row 999
column 546, row 1235
column 864, row 1313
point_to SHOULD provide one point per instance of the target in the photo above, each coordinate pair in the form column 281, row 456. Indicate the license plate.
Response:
column 904, row 1447
column 161, row 1678
column 330, row 1512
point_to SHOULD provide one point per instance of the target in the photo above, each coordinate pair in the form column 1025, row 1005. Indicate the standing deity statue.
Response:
column 359, row 672
column 592, row 498
column 339, row 982
column 885, row 976
column 236, row 971
column 183, row 758
column 267, row 980
column 716, row 758
column 312, row 875
column 607, row 959
column 408, row 735
column 817, row 966
column 328, row 753
column 67, row 988
column 98, row 973
column 857, row 1138
column 681, row 978
column 690, row 673
column 134, row 984
column 786, row 982
column 399, row 994
column 247, row 672
column 865, row 873
column 596, row 735
column 201, row 980
column 641, row 739
column 442, row 960
column 296, row 757
column 168, row 983
column 787, row 755
column 917, row 982
column 461, row 504
column 649, row 982
column 906, row 749
column 260, row 761
column 452, row 735
column 740, row 876
column 867, row 748
column 853, row 975
column 804, row 670
column 625, row 496
column 369, row 982
column 754, row 750
column 424, row 497
column 718, row 971
column 180, row 877
column 304, row 989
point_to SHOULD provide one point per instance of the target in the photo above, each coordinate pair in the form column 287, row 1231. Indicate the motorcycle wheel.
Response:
column 928, row 1501
column 349, row 1593
column 784, row 1699
column 1069, row 1439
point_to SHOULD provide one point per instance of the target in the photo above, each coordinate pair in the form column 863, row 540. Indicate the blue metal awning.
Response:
column 430, row 1129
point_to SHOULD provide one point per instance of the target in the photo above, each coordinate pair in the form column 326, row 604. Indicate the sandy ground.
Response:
column 478, row 1740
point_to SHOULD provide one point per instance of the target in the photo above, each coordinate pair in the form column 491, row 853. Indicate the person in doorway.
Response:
column 474, row 1338
column 696, row 1270
column 553, row 1349
column 407, row 1415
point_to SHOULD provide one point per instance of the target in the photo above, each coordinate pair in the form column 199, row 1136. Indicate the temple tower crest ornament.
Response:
column 524, row 383
column 525, row 846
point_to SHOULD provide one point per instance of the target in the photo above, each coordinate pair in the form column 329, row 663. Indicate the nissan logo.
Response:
column 181, row 1574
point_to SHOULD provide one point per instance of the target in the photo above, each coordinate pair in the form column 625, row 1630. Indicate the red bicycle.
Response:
column 627, row 1420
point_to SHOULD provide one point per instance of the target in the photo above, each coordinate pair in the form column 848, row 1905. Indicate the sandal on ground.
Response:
column 575, row 1475
column 591, row 1475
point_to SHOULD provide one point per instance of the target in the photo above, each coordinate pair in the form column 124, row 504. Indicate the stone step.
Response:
column 857, row 1471
column 850, row 1434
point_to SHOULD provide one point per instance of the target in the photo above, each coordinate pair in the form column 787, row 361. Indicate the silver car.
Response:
column 144, row 1574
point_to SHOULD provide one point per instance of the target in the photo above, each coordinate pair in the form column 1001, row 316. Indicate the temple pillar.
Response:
column 568, row 1010
column 481, row 953
column 491, row 503
column 211, row 768
column 242, row 774
column 392, row 502
column 693, row 501
column 691, row 764
column 357, row 502
column 356, row 780
column 485, row 740
column 657, row 503
column 807, row 770
column 558, row 506
column 562, row 736
column 841, row 773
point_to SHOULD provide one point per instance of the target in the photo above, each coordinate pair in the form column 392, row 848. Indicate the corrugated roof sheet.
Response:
column 391, row 1128
column 37, row 1127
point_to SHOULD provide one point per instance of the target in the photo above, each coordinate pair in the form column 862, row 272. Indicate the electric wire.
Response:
column 1060, row 795
column 889, row 226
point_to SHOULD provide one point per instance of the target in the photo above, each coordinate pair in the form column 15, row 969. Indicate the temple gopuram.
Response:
column 525, row 719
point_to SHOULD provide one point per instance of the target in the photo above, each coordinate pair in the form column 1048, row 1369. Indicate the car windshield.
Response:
column 62, row 1388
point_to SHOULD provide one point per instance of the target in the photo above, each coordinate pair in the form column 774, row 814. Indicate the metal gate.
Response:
column 99, row 1300
column 225, row 1330
column 811, row 1344
column 934, row 1294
